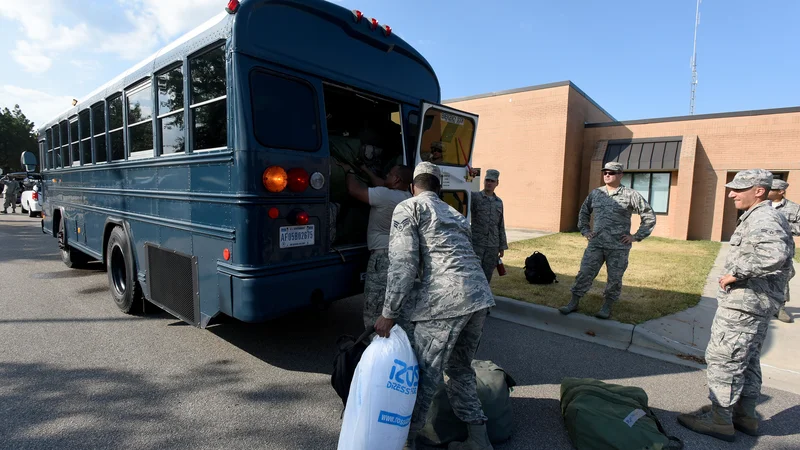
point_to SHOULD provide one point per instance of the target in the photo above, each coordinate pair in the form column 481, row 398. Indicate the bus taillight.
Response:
column 273, row 213
column 298, row 180
column 275, row 179
column 301, row 218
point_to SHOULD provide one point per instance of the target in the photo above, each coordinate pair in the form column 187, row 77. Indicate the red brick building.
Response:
column 550, row 141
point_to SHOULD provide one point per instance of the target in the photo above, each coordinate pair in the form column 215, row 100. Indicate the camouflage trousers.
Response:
column 448, row 346
column 488, row 257
column 733, row 356
column 9, row 202
column 616, row 260
column 375, row 293
column 786, row 289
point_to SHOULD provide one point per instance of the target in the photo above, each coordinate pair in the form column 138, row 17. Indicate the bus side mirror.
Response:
column 28, row 161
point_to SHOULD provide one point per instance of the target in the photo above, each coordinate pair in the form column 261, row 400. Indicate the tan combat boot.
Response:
column 783, row 316
column 713, row 420
column 478, row 439
column 745, row 418
column 605, row 310
column 571, row 307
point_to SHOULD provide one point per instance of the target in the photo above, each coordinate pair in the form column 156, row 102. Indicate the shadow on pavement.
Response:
column 45, row 406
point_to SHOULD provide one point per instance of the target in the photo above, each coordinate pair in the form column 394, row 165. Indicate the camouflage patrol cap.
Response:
column 615, row 166
column 493, row 174
column 779, row 185
column 426, row 167
column 436, row 145
column 752, row 177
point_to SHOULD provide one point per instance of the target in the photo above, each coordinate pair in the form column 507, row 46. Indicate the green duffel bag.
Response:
column 609, row 416
column 494, row 388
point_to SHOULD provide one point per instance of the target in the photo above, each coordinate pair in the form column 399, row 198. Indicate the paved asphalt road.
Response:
column 77, row 373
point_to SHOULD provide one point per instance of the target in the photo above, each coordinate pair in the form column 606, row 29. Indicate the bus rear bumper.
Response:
column 260, row 294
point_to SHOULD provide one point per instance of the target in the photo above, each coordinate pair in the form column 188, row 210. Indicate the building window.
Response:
column 171, row 122
column 654, row 187
column 209, row 100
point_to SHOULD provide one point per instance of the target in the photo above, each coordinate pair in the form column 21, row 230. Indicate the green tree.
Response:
column 16, row 136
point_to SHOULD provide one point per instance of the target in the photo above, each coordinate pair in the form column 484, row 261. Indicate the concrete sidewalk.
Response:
column 680, row 338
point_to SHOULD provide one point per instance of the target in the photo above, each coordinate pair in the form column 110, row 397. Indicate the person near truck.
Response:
column 432, row 240
column 382, row 198
column 488, row 226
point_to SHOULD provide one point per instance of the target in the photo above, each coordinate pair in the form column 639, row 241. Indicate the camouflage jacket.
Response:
column 488, row 226
column 791, row 211
column 431, row 239
column 761, row 260
column 12, row 187
column 612, row 216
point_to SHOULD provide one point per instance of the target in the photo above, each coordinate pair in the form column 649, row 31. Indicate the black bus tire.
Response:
column 121, row 268
column 74, row 259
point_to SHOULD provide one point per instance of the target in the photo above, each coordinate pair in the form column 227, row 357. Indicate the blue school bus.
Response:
column 205, row 180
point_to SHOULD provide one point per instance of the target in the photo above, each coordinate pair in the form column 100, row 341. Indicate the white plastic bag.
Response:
column 382, row 395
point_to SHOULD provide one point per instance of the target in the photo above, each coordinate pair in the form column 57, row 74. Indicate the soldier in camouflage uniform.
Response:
column 431, row 239
column 756, row 271
column 488, row 226
column 382, row 198
column 12, row 190
column 791, row 211
column 610, row 242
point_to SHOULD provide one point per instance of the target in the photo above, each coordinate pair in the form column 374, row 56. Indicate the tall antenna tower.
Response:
column 694, row 59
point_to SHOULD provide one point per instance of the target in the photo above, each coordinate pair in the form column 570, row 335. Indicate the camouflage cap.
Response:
column 779, row 185
column 752, row 177
column 615, row 166
column 493, row 174
column 426, row 167
column 436, row 145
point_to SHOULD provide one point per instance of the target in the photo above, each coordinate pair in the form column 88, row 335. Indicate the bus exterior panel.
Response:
column 209, row 211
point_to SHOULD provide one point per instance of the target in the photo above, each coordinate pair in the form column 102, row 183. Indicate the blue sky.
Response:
column 632, row 57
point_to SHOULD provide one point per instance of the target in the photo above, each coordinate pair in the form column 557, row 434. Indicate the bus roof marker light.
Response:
column 274, row 179
column 233, row 6
column 374, row 23
column 298, row 180
column 387, row 30
column 357, row 15
column 317, row 180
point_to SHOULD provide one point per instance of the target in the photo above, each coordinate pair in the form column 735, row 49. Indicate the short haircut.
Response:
column 405, row 173
column 427, row 182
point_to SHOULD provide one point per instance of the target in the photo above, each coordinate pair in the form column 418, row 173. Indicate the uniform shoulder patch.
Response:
column 401, row 225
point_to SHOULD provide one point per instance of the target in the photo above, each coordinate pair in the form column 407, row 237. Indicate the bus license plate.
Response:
column 297, row 236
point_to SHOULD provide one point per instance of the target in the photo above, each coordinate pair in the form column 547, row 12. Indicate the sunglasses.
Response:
column 608, row 172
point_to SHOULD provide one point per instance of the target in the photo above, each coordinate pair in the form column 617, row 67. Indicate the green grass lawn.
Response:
column 664, row 276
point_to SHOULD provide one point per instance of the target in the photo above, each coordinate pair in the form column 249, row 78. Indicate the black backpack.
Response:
column 348, row 354
column 538, row 271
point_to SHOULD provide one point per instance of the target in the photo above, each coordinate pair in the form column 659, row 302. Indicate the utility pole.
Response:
column 694, row 60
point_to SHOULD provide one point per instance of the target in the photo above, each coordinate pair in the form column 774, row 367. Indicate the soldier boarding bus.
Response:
column 205, row 177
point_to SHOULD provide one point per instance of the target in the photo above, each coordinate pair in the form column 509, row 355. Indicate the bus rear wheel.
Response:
column 125, row 289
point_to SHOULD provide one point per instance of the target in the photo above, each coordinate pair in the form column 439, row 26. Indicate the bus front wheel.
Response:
column 125, row 289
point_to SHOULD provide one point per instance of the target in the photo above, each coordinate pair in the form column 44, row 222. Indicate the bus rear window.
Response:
column 284, row 112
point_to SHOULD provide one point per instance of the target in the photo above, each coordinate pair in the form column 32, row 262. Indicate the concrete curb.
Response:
column 610, row 333
column 605, row 332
